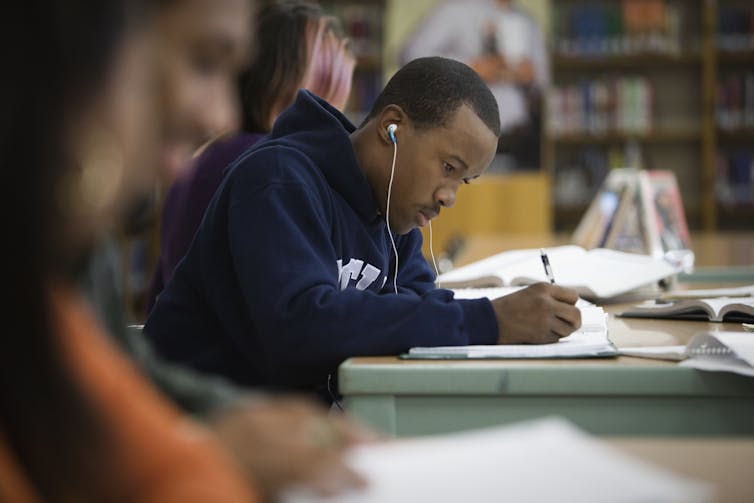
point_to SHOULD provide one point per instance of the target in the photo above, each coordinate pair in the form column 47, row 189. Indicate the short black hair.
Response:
column 430, row 90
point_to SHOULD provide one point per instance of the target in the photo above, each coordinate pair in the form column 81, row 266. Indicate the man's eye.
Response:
column 449, row 169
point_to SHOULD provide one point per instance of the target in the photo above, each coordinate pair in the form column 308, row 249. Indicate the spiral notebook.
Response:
column 713, row 351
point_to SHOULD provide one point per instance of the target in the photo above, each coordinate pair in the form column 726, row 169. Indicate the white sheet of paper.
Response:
column 547, row 460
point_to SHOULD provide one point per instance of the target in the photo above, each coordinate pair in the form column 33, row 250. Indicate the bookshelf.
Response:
column 363, row 23
column 683, row 67
column 734, row 112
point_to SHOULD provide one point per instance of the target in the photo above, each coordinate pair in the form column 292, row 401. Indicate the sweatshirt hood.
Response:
column 320, row 131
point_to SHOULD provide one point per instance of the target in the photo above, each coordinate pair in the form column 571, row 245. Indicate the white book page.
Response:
column 488, row 266
column 597, row 274
column 607, row 273
column 718, row 303
column 538, row 461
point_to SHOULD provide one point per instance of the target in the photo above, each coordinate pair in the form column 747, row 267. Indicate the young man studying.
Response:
column 293, row 268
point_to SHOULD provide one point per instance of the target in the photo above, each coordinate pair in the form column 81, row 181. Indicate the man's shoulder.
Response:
column 273, row 152
column 274, row 162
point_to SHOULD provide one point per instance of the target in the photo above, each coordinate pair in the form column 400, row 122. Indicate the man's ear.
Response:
column 392, row 118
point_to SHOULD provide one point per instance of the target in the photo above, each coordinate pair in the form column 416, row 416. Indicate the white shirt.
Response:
column 456, row 29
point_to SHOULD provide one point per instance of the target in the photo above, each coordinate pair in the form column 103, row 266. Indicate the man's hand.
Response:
column 288, row 442
column 539, row 314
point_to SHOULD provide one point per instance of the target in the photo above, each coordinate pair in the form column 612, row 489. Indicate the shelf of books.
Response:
column 734, row 114
column 659, row 85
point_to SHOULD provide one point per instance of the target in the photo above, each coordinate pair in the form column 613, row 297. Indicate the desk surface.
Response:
column 725, row 463
column 613, row 396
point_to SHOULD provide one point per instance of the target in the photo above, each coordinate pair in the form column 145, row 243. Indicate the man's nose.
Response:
column 446, row 195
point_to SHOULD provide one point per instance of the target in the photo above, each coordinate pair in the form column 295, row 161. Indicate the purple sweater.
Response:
column 186, row 201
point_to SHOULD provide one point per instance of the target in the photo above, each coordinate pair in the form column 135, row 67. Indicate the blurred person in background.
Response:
column 297, row 47
column 506, row 48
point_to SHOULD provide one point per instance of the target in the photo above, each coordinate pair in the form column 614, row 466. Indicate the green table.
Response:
column 616, row 397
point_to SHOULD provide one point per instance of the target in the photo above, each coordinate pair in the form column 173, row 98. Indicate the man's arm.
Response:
column 281, row 245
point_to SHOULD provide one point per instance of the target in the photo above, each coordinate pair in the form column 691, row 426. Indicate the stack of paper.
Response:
column 539, row 461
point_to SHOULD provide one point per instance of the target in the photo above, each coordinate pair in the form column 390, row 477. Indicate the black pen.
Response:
column 546, row 264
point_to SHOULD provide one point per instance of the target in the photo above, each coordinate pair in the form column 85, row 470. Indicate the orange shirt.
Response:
column 163, row 455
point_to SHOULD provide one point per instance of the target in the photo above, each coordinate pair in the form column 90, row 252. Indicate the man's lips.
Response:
column 425, row 216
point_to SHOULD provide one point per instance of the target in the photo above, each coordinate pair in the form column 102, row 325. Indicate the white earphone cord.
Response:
column 387, row 217
column 390, row 233
column 432, row 254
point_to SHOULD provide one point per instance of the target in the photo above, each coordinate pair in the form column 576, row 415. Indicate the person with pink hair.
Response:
column 298, row 47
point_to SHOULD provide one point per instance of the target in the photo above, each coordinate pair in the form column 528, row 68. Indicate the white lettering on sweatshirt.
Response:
column 355, row 269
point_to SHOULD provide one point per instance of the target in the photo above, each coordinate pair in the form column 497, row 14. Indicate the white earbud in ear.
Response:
column 391, row 132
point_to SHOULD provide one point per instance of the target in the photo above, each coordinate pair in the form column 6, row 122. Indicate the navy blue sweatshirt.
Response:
column 290, row 272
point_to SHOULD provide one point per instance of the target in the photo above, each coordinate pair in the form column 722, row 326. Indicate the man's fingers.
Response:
column 569, row 314
column 562, row 328
column 563, row 294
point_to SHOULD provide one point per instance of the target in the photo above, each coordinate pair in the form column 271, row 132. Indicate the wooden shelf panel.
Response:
column 735, row 58
column 656, row 136
column 736, row 217
column 736, row 134
column 561, row 62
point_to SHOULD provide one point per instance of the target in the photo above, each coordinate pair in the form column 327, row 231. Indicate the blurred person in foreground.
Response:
column 77, row 420
column 124, row 91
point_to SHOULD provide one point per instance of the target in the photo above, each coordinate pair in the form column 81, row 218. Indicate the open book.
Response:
column 717, row 351
column 707, row 293
column 589, row 341
column 598, row 274
column 734, row 309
